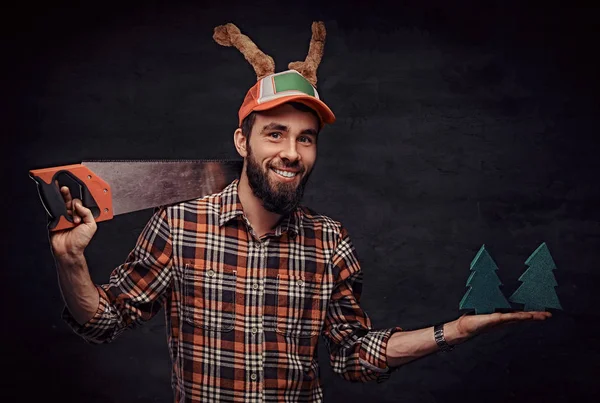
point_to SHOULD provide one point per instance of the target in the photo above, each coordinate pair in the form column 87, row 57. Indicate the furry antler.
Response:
column 230, row 35
column 308, row 68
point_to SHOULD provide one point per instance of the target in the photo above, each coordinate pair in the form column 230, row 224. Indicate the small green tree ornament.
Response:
column 538, row 289
column 484, row 295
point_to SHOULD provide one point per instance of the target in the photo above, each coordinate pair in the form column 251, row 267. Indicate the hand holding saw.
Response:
column 112, row 187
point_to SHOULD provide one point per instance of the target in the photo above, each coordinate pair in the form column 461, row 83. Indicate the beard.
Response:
column 279, row 198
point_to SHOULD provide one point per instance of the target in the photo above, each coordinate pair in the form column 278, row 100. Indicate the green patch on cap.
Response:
column 293, row 81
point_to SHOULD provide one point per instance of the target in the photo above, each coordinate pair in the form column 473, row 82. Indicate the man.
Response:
column 247, row 277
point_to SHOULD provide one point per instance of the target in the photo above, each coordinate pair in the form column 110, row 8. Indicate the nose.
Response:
column 289, row 151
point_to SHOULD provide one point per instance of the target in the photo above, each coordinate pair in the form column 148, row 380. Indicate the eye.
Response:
column 275, row 135
column 305, row 139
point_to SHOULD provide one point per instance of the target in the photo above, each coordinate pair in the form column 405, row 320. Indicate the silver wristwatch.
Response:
column 438, row 334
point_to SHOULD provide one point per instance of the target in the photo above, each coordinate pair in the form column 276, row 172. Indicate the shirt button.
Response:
column 210, row 273
column 254, row 330
column 300, row 282
column 255, row 286
column 253, row 377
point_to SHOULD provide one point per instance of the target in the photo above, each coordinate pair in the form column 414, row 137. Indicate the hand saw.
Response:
column 112, row 187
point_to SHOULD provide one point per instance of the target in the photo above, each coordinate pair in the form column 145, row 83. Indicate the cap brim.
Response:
column 317, row 105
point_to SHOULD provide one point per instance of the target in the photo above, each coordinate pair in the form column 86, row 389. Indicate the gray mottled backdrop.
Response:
column 459, row 125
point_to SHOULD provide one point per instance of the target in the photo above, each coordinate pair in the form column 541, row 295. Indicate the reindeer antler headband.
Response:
column 272, row 89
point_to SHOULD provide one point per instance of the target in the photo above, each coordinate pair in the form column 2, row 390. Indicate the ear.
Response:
column 240, row 142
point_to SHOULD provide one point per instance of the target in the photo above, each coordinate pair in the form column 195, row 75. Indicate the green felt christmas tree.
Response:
column 484, row 295
column 538, row 289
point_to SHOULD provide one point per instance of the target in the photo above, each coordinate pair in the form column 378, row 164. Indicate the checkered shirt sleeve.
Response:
column 356, row 351
column 137, row 288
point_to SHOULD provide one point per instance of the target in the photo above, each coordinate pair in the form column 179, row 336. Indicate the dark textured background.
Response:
column 459, row 125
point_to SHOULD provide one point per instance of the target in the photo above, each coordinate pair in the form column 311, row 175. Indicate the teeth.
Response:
column 285, row 173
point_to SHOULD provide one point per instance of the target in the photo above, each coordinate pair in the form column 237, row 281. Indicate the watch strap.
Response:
column 438, row 334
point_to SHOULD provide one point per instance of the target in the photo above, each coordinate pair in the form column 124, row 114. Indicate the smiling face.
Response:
column 279, row 156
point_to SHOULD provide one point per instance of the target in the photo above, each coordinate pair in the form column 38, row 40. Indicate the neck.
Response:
column 262, row 220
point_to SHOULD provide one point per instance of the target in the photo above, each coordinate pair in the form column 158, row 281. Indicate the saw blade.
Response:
column 141, row 184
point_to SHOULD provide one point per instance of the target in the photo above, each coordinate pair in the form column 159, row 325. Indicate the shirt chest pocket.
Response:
column 209, row 297
column 299, row 305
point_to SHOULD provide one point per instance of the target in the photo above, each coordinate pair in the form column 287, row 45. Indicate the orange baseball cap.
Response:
column 279, row 88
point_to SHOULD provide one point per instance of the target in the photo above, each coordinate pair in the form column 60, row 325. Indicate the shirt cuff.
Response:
column 91, row 328
column 373, row 355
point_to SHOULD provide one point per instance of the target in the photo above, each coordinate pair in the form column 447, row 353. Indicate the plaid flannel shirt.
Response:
column 243, row 313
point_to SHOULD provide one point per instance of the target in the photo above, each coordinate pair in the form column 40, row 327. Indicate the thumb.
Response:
column 84, row 212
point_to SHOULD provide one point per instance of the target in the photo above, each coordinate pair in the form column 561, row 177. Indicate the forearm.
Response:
column 404, row 347
column 78, row 290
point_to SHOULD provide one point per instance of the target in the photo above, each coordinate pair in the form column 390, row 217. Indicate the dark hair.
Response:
column 248, row 121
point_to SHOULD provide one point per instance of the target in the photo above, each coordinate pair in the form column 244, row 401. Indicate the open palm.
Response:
column 470, row 325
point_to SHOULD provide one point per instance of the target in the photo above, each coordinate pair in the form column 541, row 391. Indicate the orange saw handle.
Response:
column 85, row 185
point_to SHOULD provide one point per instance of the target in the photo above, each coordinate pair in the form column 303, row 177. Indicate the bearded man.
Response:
column 248, row 277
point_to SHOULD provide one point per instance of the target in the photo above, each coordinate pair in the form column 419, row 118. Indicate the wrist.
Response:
column 440, row 338
column 70, row 259
column 453, row 334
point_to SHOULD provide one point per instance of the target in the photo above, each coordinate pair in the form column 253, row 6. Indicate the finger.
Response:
column 541, row 315
column 497, row 318
column 521, row 316
column 525, row 315
column 66, row 193
column 77, row 214
column 84, row 212
column 534, row 315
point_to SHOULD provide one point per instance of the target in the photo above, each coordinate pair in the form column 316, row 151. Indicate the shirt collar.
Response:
column 290, row 223
column 231, row 207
